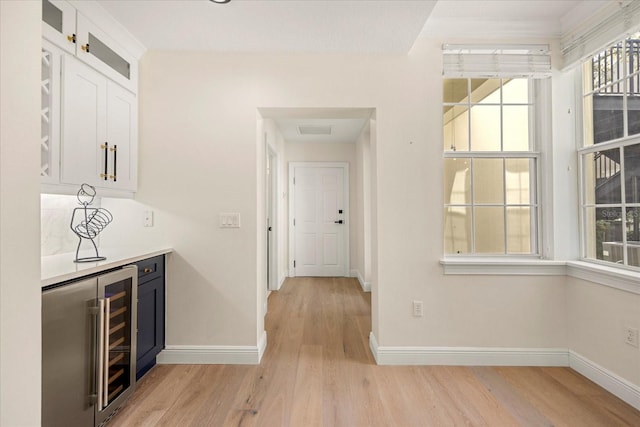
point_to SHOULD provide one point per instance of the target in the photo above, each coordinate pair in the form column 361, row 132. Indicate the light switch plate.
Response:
column 229, row 220
column 147, row 219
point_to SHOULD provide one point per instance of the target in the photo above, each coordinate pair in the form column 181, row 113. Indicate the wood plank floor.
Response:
column 318, row 371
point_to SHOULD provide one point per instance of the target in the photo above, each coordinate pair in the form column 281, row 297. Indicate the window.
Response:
column 490, row 166
column 610, row 154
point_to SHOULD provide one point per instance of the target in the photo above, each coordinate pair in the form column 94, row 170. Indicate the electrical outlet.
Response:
column 417, row 308
column 631, row 336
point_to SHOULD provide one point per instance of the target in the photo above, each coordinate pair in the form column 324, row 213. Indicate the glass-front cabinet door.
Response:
column 59, row 24
column 117, row 305
column 102, row 52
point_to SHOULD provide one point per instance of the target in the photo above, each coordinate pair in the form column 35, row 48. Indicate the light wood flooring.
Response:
column 318, row 371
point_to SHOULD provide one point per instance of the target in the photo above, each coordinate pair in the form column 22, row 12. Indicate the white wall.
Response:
column 597, row 316
column 20, row 291
column 331, row 152
column 199, row 156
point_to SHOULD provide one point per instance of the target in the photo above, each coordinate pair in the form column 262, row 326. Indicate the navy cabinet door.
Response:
column 150, row 314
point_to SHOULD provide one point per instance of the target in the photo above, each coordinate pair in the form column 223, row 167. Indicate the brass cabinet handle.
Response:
column 85, row 47
column 105, row 147
column 72, row 38
column 147, row 270
column 115, row 162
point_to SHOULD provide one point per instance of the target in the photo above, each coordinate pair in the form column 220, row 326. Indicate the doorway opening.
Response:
column 332, row 151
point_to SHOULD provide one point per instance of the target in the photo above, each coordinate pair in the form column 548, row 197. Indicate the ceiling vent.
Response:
column 314, row 130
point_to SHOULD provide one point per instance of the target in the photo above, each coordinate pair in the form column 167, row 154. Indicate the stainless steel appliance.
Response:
column 88, row 348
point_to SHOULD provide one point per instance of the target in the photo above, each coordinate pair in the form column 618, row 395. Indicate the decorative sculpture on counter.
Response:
column 88, row 222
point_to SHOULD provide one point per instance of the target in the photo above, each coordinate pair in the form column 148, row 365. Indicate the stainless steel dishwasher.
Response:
column 88, row 348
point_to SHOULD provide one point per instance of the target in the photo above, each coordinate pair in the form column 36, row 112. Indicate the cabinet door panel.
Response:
column 84, row 124
column 59, row 24
column 147, row 302
column 150, row 323
column 122, row 133
column 106, row 55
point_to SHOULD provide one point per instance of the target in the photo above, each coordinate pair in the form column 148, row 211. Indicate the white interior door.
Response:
column 319, row 220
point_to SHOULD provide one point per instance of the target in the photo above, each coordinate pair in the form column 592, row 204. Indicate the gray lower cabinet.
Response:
column 151, row 309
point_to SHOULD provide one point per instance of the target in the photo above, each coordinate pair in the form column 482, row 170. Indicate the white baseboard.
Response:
column 606, row 379
column 282, row 279
column 366, row 286
column 262, row 345
column 495, row 356
column 468, row 356
column 213, row 354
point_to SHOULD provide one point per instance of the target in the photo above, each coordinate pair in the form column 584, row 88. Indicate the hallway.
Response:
column 318, row 371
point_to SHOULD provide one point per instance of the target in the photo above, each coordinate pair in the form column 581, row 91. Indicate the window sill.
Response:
column 612, row 277
column 604, row 275
column 503, row 266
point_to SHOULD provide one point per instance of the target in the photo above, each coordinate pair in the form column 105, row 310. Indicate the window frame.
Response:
column 539, row 140
column 583, row 150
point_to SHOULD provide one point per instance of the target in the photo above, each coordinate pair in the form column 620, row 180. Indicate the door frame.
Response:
column 345, row 194
column 271, row 201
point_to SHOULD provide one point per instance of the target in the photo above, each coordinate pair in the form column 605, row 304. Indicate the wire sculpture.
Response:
column 88, row 222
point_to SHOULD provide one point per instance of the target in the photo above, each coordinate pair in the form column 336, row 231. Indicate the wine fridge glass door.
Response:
column 116, row 354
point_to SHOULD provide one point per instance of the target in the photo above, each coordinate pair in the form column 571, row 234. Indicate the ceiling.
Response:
column 337, row 26
column 328, row 26
column 508, row 18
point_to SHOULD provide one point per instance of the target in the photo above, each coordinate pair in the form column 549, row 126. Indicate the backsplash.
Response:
column 55, row 217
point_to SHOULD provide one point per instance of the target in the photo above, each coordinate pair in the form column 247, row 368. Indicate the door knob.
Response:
column 338, row 222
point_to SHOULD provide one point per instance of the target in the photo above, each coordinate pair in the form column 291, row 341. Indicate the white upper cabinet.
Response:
column 99, row 130
column 99, row 50
column 89, row 104
column 68, row 28
column 59, row 24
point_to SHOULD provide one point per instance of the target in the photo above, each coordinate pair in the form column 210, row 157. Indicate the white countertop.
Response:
column 60, row 268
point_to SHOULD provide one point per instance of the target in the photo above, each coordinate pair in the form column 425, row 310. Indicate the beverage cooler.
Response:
column 88, row 348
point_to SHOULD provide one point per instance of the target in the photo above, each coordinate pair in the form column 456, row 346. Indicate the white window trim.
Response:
column 605, row 267
column 613, row 277
column 504, row 266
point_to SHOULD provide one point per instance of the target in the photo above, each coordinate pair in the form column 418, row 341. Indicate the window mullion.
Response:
column 623, row 199
column 625, row 120
column 473, row 209
column 473, row 195
column 504, row 202
column 581, row 201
